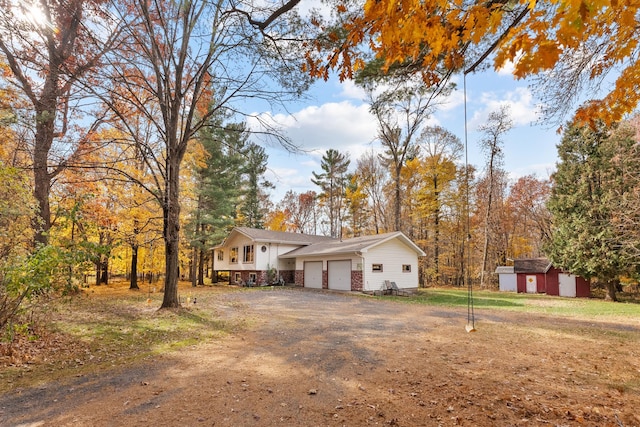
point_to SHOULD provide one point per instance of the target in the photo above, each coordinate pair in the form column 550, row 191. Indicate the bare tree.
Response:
column 401, row 106
column 180, row 63
column 372, row 176
column 497, row 125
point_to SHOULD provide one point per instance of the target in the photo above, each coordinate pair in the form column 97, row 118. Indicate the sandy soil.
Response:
column 313, row 358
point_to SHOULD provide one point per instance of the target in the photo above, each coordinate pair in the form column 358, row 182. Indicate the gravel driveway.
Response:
column 315, row 358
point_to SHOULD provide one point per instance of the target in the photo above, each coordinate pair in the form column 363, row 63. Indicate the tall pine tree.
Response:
column 588, row 187
column 333, row 181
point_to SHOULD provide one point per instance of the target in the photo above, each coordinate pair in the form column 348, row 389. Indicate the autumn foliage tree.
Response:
column 582, row 41
column 49, row 47
column 440, row 150
column 180, row 63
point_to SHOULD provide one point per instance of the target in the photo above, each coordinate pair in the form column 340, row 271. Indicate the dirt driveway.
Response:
column 312, row 358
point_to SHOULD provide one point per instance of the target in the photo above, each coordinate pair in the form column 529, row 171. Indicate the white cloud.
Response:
column 519, row 102
column 343, row 126
column 349, row 90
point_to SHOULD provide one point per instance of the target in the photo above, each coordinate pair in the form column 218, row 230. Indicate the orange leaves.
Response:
column 535, row 34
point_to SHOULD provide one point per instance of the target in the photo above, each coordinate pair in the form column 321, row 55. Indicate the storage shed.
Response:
column 507, row 278
column 538, row 275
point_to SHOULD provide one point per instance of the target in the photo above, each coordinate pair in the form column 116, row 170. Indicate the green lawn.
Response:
column 570, row 307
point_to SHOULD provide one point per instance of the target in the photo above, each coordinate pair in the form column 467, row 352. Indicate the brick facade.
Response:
column 299, row 278
column 356, row 280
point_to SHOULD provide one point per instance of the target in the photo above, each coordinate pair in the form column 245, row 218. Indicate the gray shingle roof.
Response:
column 533, row 265
column 356, row 244
column 269, row 236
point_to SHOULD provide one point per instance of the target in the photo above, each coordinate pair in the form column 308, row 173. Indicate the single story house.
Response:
column 357, row 264
column 538, row 275
column 507, row 278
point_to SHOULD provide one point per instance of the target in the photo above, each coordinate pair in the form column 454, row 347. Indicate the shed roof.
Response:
column 533, row 265
column 505, row 269
column 356, row 244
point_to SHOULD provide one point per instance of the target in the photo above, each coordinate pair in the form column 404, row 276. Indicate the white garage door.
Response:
column 567, row 285
column 339, row 274
column 313, row 274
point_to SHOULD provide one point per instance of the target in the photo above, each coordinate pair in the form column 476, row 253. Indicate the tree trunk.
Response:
column 201, row 265
column 104, row 270
column 133, row 284
column 171, row 232
column 611, row 290
column 194, row 267
column 397, row 204
column 42, row 179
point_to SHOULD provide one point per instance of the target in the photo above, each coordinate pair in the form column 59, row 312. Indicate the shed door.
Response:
column 313, row 274
column 567, row 284
column 339, row 274
column 532, row 284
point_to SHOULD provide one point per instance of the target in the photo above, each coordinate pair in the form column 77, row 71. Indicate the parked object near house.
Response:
column 507, row 279
column 538, row 275
column 357, row 264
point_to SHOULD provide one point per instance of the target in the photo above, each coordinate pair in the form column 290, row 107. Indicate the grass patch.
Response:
column 543, row 304
column 87, row 334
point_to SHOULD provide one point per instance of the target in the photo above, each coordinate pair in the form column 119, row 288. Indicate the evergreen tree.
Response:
column 255, row 200
column 588, row 188
column 219, row 190
column 332, row 183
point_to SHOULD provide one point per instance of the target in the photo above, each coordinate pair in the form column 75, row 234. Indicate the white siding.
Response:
column 269, row 258
column 507, row 282
column 262, row 260
column 355, row 260
column 239, row 242
column 392, row 255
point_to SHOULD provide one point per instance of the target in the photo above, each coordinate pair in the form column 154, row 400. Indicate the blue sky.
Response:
column 335, row 116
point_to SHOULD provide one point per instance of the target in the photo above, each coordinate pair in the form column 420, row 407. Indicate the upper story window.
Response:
column 220, row 255
column 248, row 254
column 406, row 268
column 233, row 255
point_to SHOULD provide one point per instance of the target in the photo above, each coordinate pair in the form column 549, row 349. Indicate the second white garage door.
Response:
column 313, row 274
column 339, row 275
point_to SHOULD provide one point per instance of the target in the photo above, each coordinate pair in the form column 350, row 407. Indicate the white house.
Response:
column 357, row 264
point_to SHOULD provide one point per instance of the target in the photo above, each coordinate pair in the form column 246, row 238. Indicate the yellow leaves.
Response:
column 439, row 32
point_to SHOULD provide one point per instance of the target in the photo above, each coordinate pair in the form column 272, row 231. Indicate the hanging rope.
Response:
column 471, row 319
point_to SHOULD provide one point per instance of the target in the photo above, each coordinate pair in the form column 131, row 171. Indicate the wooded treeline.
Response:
column 124, row 147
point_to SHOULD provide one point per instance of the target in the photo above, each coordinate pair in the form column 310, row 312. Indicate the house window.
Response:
column 253, row 278
column 248, row 254
column 237, row 277
column 220, row 255
column 233, row 255
column 406, row 268
column 376, row 268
